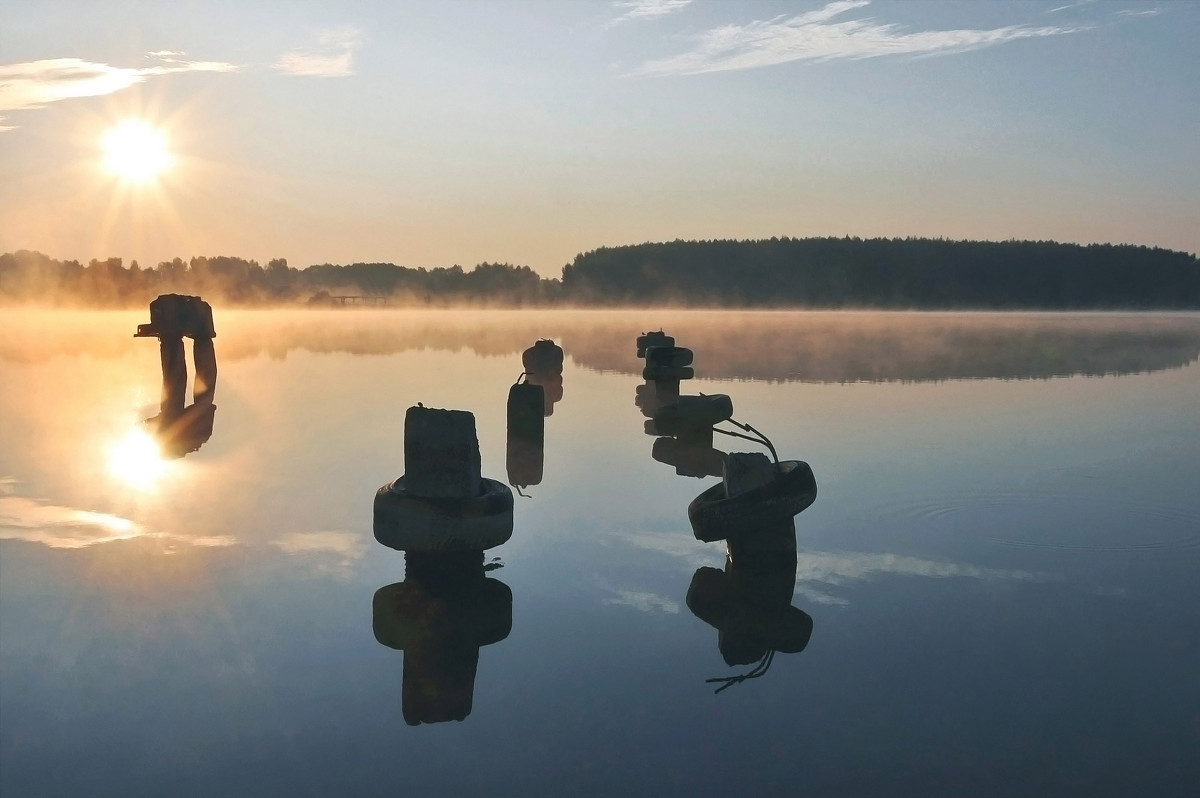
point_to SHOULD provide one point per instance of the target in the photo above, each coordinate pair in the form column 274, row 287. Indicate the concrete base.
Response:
column 441, row 454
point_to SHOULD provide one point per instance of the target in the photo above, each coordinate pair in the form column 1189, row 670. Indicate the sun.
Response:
column 136, row 151
column 136, row 460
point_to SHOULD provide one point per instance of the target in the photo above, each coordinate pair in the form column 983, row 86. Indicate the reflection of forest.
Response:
column 880, row 347
column 779, row 346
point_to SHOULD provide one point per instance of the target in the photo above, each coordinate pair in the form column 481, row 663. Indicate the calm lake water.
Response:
column 1001, row 565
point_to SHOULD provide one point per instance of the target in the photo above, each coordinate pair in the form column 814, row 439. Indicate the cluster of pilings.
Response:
column 680, row 443
column 682, row 424
column 444, row 514
column 752, row 509
column 755, row 491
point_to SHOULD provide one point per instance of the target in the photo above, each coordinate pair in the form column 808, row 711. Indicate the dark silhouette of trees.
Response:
column 32, row 277
column 889, row 273
column 779, row 272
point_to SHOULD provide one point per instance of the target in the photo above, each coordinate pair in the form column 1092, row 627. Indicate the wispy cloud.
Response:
column 347, row 546
column 642, row 601
column 648, row 9
column 60, row 527
column 36, row 84
column 818, row 36
column 816, row 571
column 839, row 567
column 1140, row 12
column 1076, row 4
column 1122, row 14
column 331, row 57
column 171, row 62
column 333, row 552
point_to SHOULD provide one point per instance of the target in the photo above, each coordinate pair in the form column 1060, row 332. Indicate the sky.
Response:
column 439, row 132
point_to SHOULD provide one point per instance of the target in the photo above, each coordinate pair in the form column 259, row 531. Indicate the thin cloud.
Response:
column 1076, row 4
column 172, row 63
column 60, row 527
column 818, row 570
column 332, row 57
column 817, row 36
column 36, row 84
column 839, row 567
column 347, row 546
column 836, row 568
column 333, row 552
column 1140, row 12
column 648, row 9
column 642, row 601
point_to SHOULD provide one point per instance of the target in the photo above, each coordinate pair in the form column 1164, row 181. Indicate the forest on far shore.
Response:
column 908, row 273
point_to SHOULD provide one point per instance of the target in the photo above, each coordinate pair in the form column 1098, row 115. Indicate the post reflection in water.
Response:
column 525, row 449
column 443, row 612
column 690, row 457
column 687, row 426
column 531, row 401
column 180, row 430
column 749, row 603
column 543, row 364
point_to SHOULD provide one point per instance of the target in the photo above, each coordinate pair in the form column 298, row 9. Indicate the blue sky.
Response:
column 442, row 132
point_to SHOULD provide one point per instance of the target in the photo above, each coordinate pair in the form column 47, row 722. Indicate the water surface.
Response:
column 1000, row 566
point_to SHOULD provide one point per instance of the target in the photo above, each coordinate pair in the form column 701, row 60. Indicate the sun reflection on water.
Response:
column 137, row 460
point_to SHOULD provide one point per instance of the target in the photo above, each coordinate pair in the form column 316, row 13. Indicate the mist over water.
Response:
column 785, row 346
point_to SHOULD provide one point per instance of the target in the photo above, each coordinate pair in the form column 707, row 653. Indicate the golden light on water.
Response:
column 137, row 460
column 136, row 151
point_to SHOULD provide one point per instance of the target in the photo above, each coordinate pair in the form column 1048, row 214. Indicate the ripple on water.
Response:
column 1064, row 522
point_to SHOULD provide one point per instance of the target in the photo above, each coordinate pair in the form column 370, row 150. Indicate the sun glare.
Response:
column 135, row 151
column 136, row 459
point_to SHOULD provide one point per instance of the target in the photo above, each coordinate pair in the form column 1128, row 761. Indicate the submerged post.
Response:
column 442, row 503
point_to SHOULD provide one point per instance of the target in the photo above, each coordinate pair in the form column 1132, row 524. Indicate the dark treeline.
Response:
column 780, row 272
column 886, row 273
column 31, row 277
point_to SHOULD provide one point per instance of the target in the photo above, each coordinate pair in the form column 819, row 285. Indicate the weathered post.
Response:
column 174, row 317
